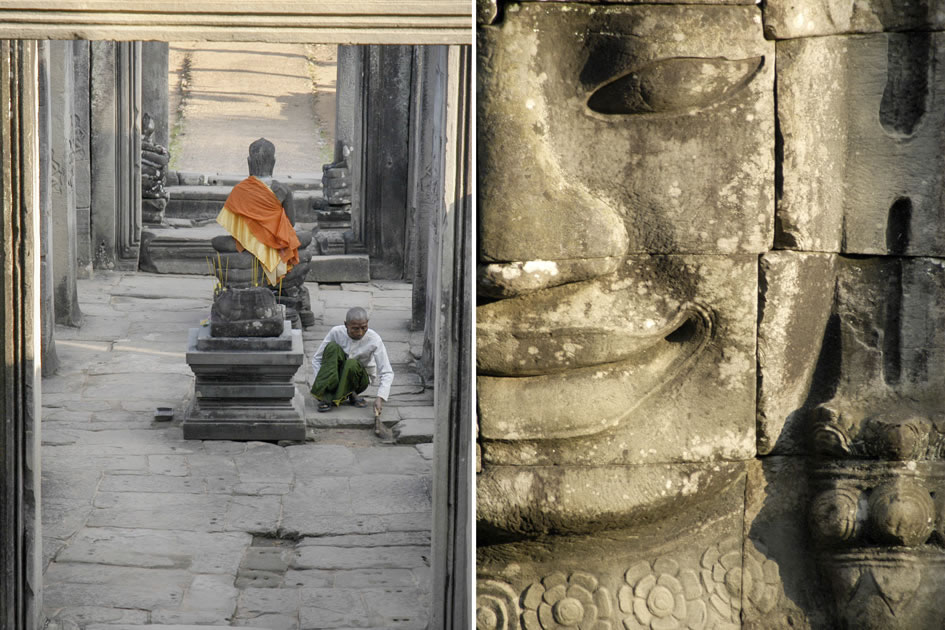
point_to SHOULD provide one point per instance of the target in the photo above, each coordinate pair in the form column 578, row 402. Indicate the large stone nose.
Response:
column 528, row 208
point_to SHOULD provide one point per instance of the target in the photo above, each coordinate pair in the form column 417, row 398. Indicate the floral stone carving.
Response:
column 496, row 606
column 661, row 597
column 577, row 602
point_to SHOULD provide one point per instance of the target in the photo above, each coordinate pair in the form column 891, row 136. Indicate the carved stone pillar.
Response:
column 20, row 545
column 384, row 155
column 83, row 159
column 62, row 184
column 116, row 154
column 425, row 175
column 50, row 360
column 452, row 500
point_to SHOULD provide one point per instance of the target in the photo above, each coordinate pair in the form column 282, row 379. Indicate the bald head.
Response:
column 356, row 322
column 262, row 158
column 356, row 314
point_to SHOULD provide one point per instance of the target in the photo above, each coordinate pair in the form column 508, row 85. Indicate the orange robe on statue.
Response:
column 254, row 216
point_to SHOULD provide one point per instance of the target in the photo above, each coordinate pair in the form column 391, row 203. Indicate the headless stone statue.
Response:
column 260, row 205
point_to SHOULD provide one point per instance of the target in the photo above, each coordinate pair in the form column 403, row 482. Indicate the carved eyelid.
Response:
column 674, row 85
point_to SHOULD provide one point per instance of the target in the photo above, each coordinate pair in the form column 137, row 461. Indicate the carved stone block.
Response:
column 609, row 129
column 683, row 573
column 863, row 123
column 795, row 302
column 861, row 330
column 781, row 585
column 786, row 19
column 654, row 362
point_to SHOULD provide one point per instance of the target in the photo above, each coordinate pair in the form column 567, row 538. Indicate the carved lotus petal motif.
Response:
column 496, row 606
column 835, row 515
column 662, row 597
column 901, row 513
column 722, row 577
column 561, row 602
column 762, row 580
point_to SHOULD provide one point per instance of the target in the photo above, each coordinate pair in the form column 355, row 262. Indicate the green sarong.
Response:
column 338, row 376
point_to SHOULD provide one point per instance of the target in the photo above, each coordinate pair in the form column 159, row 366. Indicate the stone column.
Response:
column 154, row 88
column 82, row 158
column 349, row 127
column 20, row 528
column 50, row 361
column 425, row 169
column 116, row 154
column 347, row 97
column 385, row 148
column 62, row 185
column 452, row 491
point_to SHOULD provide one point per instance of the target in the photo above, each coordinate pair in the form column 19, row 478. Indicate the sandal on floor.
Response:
column 324, row 405
column 357, row 401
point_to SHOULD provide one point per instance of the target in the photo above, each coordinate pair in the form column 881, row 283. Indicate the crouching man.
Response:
column 350, row 358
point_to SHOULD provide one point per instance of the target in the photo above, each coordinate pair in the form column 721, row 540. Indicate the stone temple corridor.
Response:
column 141, row 527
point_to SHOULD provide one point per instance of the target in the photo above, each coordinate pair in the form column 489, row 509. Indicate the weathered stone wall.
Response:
column 710, row 323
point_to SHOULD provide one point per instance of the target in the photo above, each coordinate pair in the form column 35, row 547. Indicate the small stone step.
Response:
column 347, row 416
column 414, row 431
column 178, row 250
column 204, row 201
column 295, row 181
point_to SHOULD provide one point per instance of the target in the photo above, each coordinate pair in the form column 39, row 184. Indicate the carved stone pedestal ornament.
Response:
column 878, row 512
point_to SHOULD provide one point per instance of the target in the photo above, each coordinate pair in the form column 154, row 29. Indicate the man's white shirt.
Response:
column 370, row 352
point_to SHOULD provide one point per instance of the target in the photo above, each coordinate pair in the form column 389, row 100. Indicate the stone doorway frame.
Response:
column 448, row 22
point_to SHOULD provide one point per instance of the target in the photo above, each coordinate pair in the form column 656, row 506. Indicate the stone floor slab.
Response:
column 382, row 539
column 256, row 514
column 316, row 460
column 331, row 608
column 391, row 459
column 167, row 511
column 197, row 551
column 399, row 606
column 125, row 587
column 390, row 494
column 326, row 557
column 92, row 616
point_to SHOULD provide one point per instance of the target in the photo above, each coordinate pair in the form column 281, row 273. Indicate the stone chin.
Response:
column 530, row 501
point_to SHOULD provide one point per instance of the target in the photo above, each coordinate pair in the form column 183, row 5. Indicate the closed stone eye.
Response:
column 675, row 85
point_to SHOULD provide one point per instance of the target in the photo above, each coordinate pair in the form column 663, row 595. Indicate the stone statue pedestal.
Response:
column 244, row 387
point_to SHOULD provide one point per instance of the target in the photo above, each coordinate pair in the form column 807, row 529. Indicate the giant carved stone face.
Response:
column 626, row 178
